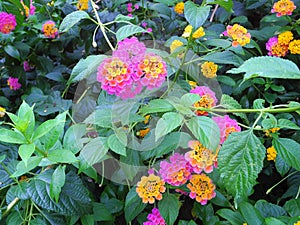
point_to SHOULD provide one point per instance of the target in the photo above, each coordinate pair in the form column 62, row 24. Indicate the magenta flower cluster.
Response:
column 227, row 126
column 13, row 83
column 7, row 22
column 154, row 218
column 130, row 69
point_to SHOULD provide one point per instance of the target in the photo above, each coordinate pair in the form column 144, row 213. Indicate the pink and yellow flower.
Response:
column 7, row 22
column 239, row 35
column 176, row 172
column 275, row 48
column 154, row 218
column 227, row 126
column 49, row 29
column 2, row 112
column 283, row 7
column 202, row 188
column 150, row 188
column 28, row 10
column 201, row 158
column 13, row 83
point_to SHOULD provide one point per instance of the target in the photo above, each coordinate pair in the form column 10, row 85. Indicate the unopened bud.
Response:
column 94, row 44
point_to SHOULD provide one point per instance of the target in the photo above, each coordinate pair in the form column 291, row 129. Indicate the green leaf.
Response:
column 240, row 160
column 273, row 221
column 281, row 166
column 129, row 30
column 71, row 19
column 294, row 104
column 121, row 18
column 285, row 123
column 289, row 150
column 57, row 182
column 85, row 67
column 235, row 218
column 225, row 57
column 72, row 139
column 183, row 222
column 32, row 163
column 94, row 151
column 157, row 105
column 268, row 66
column 74, row 198
column 25, row 151
column 87, row 220
column 226, row 4
column 293, row 207
column 45, row 128
column 12, row 51
column 230, row 103
column 268, row 209
column 25, row 120
column 167, row 123
column 133, row 205
column 169, row 208
column 101, row 213
column 196, row 15
column 101, row 117
column 13, row 137
column 116, row 145
column 206, row 131
column 251, row 214
column 62, row 156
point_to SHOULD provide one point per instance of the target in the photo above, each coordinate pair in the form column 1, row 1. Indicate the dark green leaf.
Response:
column 281, row 166
column 133, row 205
column 12, row 51
column 293, row 207
column 235, row 218
column 169, row 213
column 273, row 221
column 287, row 124
column 225, row 57
column 101, row 213
column 196, row 15
column 268, row 209
column 251, row 214
column 71, row 19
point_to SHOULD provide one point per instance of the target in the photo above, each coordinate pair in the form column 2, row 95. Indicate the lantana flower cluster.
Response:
column 279, row 46
column 28, row 10
column 82, row 5
column 130, row 69
column 13, row 83
column 283, row 7
column 49, row 29
column 179, row 8
column 209, row 69
column 238, row 34
column 7, row 22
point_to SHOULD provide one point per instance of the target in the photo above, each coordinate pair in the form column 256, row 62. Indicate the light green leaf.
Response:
column 285, row 123
column 206, row 131
column 12, row 51
column 273, row 221
column 230, row 103
column 268, row 66
column 289, row 150
column 121, row 18
column 281, row 166
column 167, row 123
column 293, row 207
column 62, row 156
column 226, row 4
column 293, row 104
column 32, row 163
column 196, row 15
column 129, row 30
column 25, row 151
column 57, row 182
column 240, row 160
column 133, row 205
column 235, row 218
column 116, row 145
column 44, row 128
column 157, row 105
column 73, row 137
column 85, row 67
column 71, row 19
column 251, row 214
column 94, row 151
column 101, row 117
column 169, row 208
column 13, row 137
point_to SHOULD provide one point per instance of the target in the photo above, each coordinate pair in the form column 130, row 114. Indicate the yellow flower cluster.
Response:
column 239, row 35
column 197, row 34
column 209, row 69
column 270, row 131
column 175, row 44
column 179, row 7
column 83, row 5
column 271, row 153
column 2, row 112
column 297, row 223
column 150, row 188
column 294, row 47
column 285, row 37
column 283, row 7
column 25, row 8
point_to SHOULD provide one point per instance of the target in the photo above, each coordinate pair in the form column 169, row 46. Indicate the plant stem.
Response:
column 10, row 206
column 270, row 189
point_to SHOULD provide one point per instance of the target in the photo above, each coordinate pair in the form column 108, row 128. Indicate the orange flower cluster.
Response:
column 83, row 5
column 209, row 69
column 239, row 35
column 179, row 7
column 271, row 153
column 283, row 7
column 269, row 132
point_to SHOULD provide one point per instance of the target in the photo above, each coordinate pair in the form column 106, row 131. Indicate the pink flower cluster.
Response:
column 130, row 69
column 227, row 126
column 13, row 83
column 49, row 29
column 27, row 67
column 144, row 25
column 28, row 10
column 154, row 218
column 130, row 9
column 7, row 22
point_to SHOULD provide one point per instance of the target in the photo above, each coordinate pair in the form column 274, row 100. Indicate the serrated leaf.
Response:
column 285, row 123
column 71, row 19
column 169, row 208
column 85, row 67
column 230, row 103
column 268, row 209
column 74, row 198
column 235, row 218
column 62, row 156
column 268, row 66
column 57, row 182
column 157, row 105
column 206, row 131
column 289, row 150
column 10, row 136
column 293, row 207
column 196, row 15
column 129, row 30
column 116, row 145
column 281, row 166
column 94, row 151
column 133, row 205
column 251, row 214
column 25, row 151
column 167, row 123
column 240, row 160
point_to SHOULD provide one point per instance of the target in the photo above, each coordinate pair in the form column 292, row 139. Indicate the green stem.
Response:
column 10, row 206
column 257, row 119
column 270, row 189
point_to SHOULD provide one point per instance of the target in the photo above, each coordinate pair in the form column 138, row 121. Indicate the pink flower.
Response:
column 208, row 99
column 149, row 30
column 271, row 42
column 144, row 24
column 7, row 22
column 275, row 48
column 177, row 172
column 129, row 7
column 49, row 29
column 154, row 218
column 26, row 66
column 227, row 126
column 13, row 83
column 31, row 8
column 130, row 15
column 136, row 6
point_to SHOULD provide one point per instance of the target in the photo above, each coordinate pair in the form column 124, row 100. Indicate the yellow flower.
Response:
column 198, row 33
column 142, row 133
column 283, row 7
column 209, row 69
column 285, row 37
column 279, row 50
column 271, row 130
column 271, row 153
column 150, row 188
column 25, row 8
column 202, row 188
column 245, row 223
column 239, row 35
column 175, row 44
column 83, row 5
column 147, row 118
column 294, row 47
column 187, row 31
column 2, row 112
column 297, row 223
column 193, row 84
column 179, row 7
